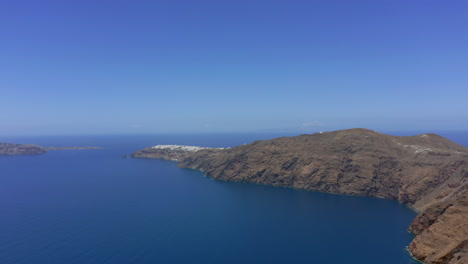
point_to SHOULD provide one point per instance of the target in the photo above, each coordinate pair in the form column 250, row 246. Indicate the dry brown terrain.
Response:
column 427, row 172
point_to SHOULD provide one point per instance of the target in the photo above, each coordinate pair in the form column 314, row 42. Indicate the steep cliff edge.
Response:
column 441, row 231
column 427, row 172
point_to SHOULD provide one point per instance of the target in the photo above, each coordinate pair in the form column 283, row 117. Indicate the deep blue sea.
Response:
column 93, row 206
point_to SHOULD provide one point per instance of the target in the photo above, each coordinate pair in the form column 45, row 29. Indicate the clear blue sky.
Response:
column 94, row 67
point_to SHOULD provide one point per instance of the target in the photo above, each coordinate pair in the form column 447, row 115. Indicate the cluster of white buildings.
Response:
column 181, row 147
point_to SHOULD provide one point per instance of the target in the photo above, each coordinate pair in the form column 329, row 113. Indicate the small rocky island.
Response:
column 28, row 149
column 427, row 172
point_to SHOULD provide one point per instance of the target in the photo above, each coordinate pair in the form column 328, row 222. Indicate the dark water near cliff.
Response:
column 92, row 206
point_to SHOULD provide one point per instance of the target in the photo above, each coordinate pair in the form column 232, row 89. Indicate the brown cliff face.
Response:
column 423, row 171
column 442, row 232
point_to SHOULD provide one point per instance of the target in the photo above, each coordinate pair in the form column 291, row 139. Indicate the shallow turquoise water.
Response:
column 92, row 206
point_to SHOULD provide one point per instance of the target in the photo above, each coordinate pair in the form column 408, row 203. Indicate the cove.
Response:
column 93, row 206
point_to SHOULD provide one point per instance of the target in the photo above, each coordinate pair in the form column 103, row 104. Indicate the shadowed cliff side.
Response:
column 422, row 171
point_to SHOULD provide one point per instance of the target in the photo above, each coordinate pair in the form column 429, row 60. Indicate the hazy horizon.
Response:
column 261, row 133
column 125, row 67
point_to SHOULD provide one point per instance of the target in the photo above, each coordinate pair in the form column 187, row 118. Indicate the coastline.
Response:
column 301, row 189
column 318, row 162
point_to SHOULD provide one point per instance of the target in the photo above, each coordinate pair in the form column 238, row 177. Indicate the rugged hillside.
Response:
column 442, row 233
column 422, row 171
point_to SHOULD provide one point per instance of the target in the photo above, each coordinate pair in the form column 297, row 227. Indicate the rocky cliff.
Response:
column 441, row 231
column 427, row 172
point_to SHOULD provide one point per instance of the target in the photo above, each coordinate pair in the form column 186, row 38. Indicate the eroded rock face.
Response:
column 442, row 231
column 422, row 171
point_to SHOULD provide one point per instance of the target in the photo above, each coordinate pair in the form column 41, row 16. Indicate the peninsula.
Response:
column 29, row 149
column 427, row 172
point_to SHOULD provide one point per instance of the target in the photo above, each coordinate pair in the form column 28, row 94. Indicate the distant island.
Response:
column 29, row 149
column 427, row 172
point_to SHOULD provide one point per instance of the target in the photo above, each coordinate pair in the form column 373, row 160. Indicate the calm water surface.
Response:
column 93, row 206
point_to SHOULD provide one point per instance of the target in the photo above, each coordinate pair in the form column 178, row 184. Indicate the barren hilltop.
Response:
column 427, row 172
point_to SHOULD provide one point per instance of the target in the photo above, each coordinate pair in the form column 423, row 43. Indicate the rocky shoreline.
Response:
column 427, row 172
